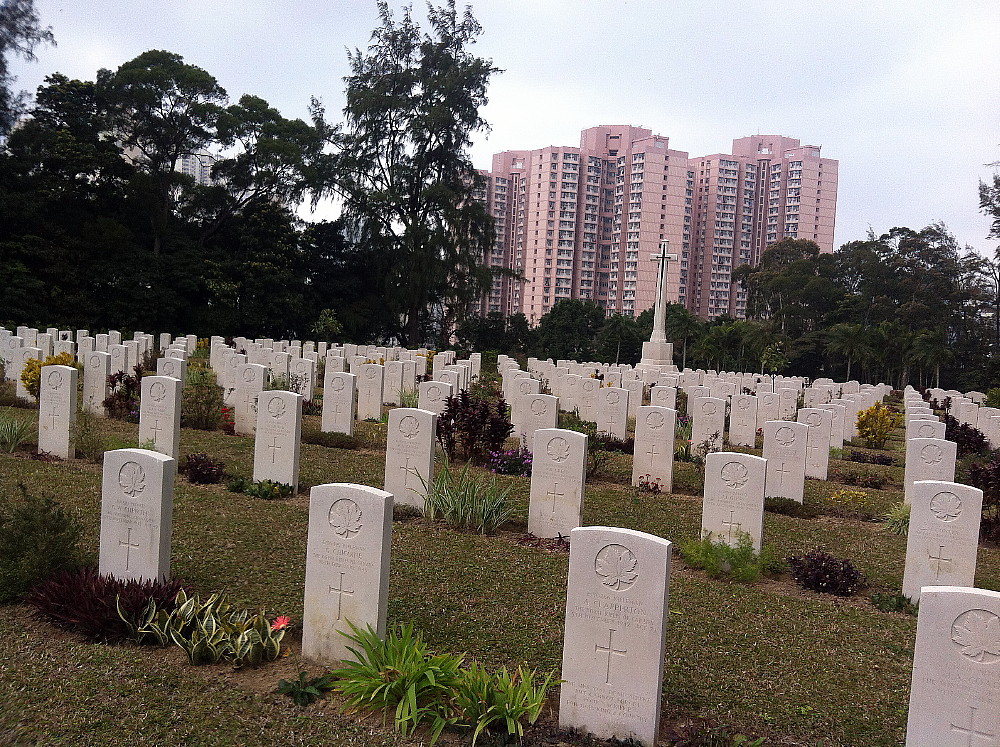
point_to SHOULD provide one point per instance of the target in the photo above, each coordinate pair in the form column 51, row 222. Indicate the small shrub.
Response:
column 607, row 442
column 986, row 477
column 818, row 570
column 37, row 538
column 238, row 484
column 467, row 502
column 571, row 421
column 516, row 461
column 14, row 431
column 855, row 504
column 470, row 428
column 968, row 440
column 598, row 464
column 201, row 469
column 213, row 631
column 897, row 519
column 499, row 704
column 313, row 435
column 269, row 491
column 719, row 560
column 122, row 402
column 305, row 691
column 865, row 457
column 201, row 400
column 683, row 426
column 893, row 603
column 876, row 423
column 31, row 373
column 90, row 444
column 862, row 478
column 102, row 609
column 790, row 507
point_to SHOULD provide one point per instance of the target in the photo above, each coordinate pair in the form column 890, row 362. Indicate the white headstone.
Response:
column 347, row 567
column 249, row 383
column 653, row 460
column 820, row 422
column 57, row 411
column 928, row 459
column 558, row 473
column 943, row 539
column 339, row 394
column 137, row 494
column 612, row 411
column 160, row 413
column 433, row 396
column 96, row 369
column 537, row 411
column 785, row 451
column 409, row 454
column 743, row 421
column 734, row 498
column 369, row 383
column 278, row 437
column 302, row 371
column 613, row 645
column 708, row 421
column 21, row 357
column 954, row 694
column 175, row 368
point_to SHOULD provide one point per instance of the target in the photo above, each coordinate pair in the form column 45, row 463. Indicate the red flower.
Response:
column 281, row 622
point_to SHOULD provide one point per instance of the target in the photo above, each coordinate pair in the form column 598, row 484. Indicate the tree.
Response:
column 403, row 172
column 619, row 340
column 989, row 203
column 569, row 330
column 20, row 33
column 681, row 325
column 161, row 109
column 850, row 341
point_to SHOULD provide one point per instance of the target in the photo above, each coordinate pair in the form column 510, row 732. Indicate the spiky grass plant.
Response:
column 897, row 519
column 13, row 430
column 466, row 501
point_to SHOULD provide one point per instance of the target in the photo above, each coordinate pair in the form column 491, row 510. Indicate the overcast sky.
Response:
column 904, row 93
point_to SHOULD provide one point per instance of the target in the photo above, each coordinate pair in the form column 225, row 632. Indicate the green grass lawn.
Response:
column 767, row 659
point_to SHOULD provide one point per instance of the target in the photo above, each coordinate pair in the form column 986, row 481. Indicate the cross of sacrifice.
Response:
column 129, row 547
column 609, row 650
column 660, row 309
column 339, row 590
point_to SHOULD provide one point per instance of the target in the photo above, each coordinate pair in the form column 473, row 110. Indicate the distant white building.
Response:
column 198, row 166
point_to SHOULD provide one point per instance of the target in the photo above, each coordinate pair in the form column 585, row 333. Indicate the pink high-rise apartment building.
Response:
column 583, row 222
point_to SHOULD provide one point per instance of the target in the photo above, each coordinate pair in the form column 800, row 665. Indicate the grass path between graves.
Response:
column 768, row 659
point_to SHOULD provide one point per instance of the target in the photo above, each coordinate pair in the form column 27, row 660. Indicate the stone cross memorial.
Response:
column 279, row 434
column 613, row 645
column 409, row 454
column 137, row 494
column 558, row 473
column 347, row 567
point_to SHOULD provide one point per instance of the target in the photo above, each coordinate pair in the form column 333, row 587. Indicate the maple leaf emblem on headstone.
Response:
column 558, row 449
column 538, row 407
column 655, row 420
column 615, row 564
column 132, row 478
column 946, row 506
column 931, row 454
column 345, row 518
column 785, row 436
column 276, row 407
column 977, row 634
column 735, row 475
column 409, row 426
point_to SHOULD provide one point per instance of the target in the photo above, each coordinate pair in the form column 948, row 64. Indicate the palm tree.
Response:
column 852, row 341
column 930, row 349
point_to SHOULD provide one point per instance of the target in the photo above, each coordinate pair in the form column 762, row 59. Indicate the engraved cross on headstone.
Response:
column 273, row 446
column 156, row 429
column 732, row 523
column 52, row 418
column 652, row 453
column 970, row 731
column 782, row 470
column 129, row 547
column 610, row 650
column 407, row 471
column 553, row 494
column 937, row 560
column 339, row 590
